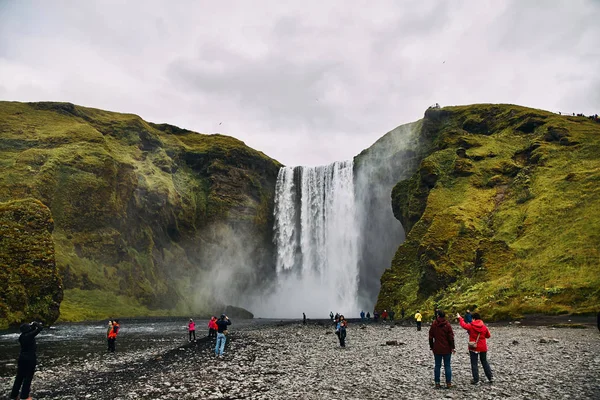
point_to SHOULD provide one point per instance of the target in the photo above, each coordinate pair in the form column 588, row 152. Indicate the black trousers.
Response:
column 194, row 334
column 111, row 345
column 484, row 363
column 418, row 325
column 342, row 336
column 212, row 333
column 25, row 370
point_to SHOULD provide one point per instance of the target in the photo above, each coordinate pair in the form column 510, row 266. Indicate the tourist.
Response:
column 402, row 312
column 212, row 327
column 222, row 325
column 468, row 317
column 340, row 330
column 418, row 318
column 384, row 315
column 375, row 316
column 27, row 360
column 112, row 336
column 392, row 315
column 368, row 315
column 362, row 315
column 303, row 319
column 110, row 326
column 191, row 330
column 331, row 315
column 441, row 342
column 478, row 333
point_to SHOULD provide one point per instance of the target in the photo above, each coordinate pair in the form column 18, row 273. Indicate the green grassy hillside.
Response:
column 503, row 215
column 141, row 211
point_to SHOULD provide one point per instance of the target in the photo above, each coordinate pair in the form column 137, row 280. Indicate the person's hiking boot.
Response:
column 438, row 386
column 474, row 382
column 449, row 385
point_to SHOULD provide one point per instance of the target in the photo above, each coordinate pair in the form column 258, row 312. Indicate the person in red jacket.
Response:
column 441, row 342
column 478, row 333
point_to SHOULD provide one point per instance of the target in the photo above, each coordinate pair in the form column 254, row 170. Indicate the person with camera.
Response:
column 478, row 333
column 222, row 325
column 27, row 360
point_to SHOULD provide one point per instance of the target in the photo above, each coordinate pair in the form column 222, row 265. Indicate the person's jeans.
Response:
column 438, row 367
column 25, row 371
column 220, row 347
column 484, row 363
column 418, row 325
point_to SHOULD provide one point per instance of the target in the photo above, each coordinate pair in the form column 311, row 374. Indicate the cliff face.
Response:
column 30, row 286
column 502, row 215
column 146, row 216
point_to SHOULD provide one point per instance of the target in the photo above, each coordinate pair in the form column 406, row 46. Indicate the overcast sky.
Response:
column 304, row 82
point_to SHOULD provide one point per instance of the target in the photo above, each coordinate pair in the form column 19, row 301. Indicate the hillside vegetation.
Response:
column 142, row 212
column 502, row 216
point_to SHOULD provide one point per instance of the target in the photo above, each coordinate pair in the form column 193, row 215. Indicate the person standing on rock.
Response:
column 340, row 330
column 478, row 333
column 27, row 360
column 418, row 318
column 191, row 330
column 222, row 325
column 441, row 342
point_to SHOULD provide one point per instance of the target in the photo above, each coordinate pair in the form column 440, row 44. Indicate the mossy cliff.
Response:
column 30, row 286
column 143, row 213
column 502, row 216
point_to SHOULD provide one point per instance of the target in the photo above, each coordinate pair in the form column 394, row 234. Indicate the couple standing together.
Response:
column 441, row 342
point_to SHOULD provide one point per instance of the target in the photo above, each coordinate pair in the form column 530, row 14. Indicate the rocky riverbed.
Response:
column 288, row 360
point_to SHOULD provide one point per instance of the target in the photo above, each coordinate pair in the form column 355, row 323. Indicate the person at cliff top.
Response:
column 222, row 325
column 441, row 342
column 27, row 360
column 191, row 330
column 112, row 336
column 212, row 327
column 340, row 330
column 478, row 333
column 418, row 318
column 468, row 317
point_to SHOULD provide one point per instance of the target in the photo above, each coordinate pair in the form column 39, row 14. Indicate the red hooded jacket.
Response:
column 476, row 328
column 441, row 337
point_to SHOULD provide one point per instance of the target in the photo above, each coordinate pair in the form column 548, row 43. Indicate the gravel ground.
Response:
column 292, row 361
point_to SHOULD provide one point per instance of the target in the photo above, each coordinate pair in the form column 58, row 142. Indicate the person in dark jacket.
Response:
column 478, row 333
column 222, row 325
column 27, row 360
column 340, row 330
column 441, row 342
column 468, row 317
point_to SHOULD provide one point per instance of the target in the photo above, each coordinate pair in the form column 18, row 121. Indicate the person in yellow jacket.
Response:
column 418, row 317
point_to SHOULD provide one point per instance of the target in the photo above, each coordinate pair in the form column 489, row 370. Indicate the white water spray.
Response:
column 316, row 235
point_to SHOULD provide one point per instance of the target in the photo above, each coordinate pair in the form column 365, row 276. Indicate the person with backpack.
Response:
column 478, row 333
column 441, row 342
column 112, row 335
column 191, row 330
column 27, row 360
column 222, row 325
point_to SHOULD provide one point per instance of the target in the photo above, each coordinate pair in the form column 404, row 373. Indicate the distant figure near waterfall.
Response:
column 212, row 327
column 340, row 330
column 402, row 312
column 191, row 330
column 384, row 315
column 369, row 315
column 303, row 319
column 392, row 315
column 362, row 315
column 418, row 318
column 331, row 315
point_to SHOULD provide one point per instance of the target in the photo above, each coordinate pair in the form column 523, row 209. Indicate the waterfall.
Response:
column 316, row 237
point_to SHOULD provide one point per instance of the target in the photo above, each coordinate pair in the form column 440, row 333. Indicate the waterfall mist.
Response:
column 316, row 237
